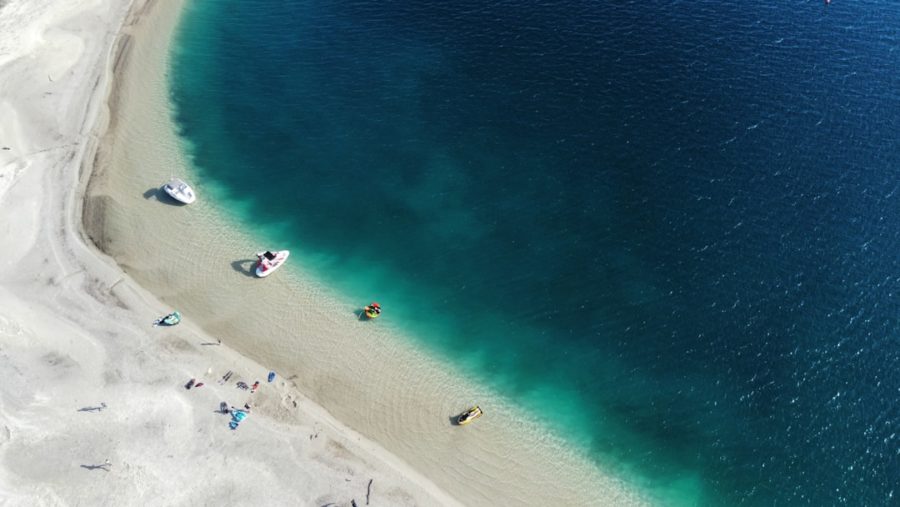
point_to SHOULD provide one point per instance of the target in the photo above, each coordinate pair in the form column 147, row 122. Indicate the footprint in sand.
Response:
column 9, row 327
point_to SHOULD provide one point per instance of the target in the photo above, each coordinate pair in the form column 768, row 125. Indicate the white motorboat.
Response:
column 270, row 261
column 180, row 191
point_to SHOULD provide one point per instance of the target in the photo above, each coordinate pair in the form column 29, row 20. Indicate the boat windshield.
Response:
column 269, row 255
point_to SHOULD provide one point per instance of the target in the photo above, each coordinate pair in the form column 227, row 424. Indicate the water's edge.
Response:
column 116, row 218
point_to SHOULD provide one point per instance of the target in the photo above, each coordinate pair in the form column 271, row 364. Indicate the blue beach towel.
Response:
column 236, row 417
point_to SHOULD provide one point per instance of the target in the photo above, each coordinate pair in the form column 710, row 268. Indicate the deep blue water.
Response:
column 675, row 221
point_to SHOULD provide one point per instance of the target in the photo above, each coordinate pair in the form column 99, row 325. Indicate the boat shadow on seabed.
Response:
column 245, row 267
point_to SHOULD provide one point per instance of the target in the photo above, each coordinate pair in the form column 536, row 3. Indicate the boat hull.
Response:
column 280, row 258
column 171, row 319
column 469, row 415
column 180, row 191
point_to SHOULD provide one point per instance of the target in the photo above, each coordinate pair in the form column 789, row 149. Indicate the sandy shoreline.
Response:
column 86, row 378
column 74, row 328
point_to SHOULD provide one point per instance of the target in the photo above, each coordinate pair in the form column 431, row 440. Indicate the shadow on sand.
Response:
column 98, row 408
column 104, row 467
column 245, row 267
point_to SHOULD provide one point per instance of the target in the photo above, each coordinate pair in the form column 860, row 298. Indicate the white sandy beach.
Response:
column 351, row 404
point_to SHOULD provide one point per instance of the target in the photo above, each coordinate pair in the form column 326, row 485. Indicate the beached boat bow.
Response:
column 267, row 262
column 180, row 191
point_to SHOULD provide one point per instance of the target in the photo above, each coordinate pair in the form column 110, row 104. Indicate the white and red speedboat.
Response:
column 270, row 261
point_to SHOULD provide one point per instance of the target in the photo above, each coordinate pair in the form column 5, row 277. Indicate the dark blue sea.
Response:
column 675, row 223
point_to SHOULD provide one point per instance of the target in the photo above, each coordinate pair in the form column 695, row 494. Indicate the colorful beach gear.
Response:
column 372, row 311
column 236, row 417
column 469, row 415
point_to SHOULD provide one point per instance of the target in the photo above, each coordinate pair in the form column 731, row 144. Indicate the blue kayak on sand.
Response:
column 168, row 320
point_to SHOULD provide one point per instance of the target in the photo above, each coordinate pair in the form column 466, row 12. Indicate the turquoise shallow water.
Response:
column 672, row 223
